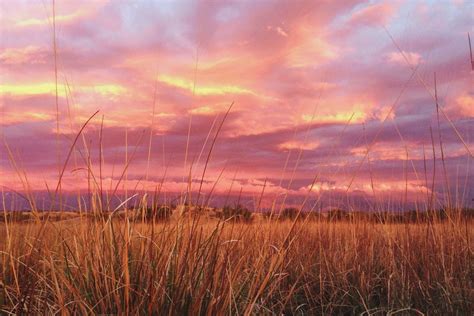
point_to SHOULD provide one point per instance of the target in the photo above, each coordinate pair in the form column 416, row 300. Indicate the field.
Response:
column 236, row 158
column 193, row 265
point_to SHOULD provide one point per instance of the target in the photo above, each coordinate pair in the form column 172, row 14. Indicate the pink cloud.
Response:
column 462, row 106
column 405, row 58
column 301, row 75
column 374, row 15
column 30, row 55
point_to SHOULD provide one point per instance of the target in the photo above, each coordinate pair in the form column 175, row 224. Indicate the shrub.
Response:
column 337, row 215
column 158, row 213
column 290, row 213
column 238, row 213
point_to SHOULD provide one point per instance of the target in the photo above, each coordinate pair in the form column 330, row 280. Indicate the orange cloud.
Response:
column 465, row 105
column 299, row 145
column 203, row 90
column 50, row 88
column 14, row 117
column 27, row 55
column 67, row 12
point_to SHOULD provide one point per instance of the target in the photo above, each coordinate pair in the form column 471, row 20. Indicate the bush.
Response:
column 338, row 215
column 238, row 213
column 290, row 213
column 158, row 213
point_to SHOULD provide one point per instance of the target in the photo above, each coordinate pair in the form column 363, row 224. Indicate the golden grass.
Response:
column 104, row 261
column 203, row 266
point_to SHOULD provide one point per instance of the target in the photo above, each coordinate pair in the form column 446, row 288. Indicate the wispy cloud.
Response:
column 321, row 78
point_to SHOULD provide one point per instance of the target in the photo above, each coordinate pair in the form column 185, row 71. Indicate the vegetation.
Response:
column 289, row 213
column 210, row 266
column 237, row 213
column 158, row 213
column 161, row 260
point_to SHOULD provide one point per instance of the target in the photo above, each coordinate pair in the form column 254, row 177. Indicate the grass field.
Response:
column 195, row 265
column 140, row 120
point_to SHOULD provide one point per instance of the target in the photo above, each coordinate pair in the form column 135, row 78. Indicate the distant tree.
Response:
column 158, row 213
column 337, row 215
column 289, row 213
column 238, row 213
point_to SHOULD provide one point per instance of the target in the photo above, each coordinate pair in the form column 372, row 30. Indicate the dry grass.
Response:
column 202, row 266
column 107, row 262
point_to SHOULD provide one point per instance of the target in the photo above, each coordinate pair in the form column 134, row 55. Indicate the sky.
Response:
column 329, row 98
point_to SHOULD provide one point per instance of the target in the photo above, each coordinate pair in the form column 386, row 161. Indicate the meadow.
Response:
column 140, row 258
column 197, row 265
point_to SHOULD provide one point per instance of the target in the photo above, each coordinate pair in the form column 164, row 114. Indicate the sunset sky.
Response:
column 314, row 84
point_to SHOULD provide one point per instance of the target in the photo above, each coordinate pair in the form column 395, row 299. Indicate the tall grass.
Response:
column 191, row 265
column 129, row 260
